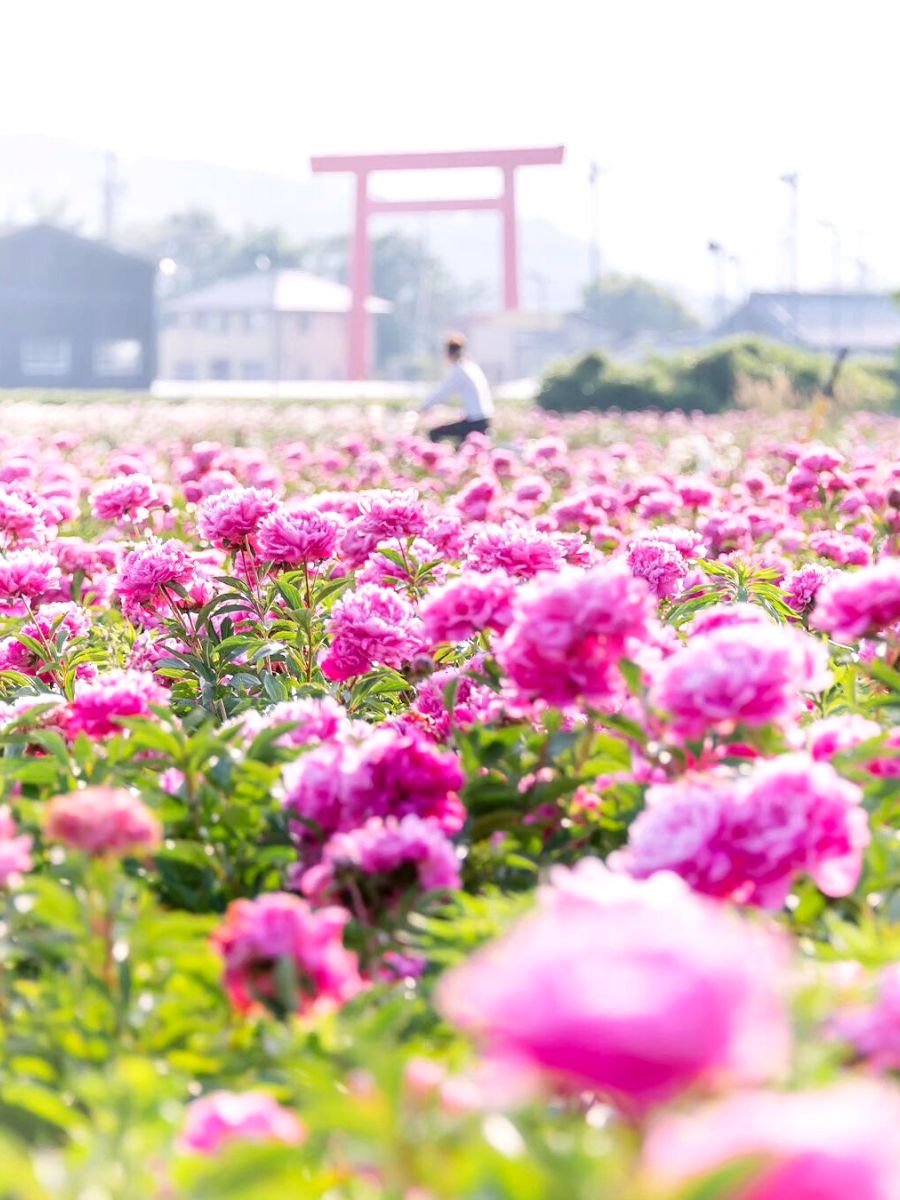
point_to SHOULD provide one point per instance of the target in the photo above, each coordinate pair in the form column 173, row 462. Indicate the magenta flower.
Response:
column 28, row 575
column 103, row 822
column 827, row 1145
column 636, row 990
column 371, row 626
column 155, row 565
column 468, row 606
column 381, row 855
column 749, row 838
column 296, row 536
column 125, row 496
column 570, row 632
column 279, row 951
column 230, row 518
column 101, row 703
column 218, row 1119
column 874, row 1031
column 660, row 564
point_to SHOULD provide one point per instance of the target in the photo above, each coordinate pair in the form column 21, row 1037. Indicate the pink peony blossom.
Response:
column 15, row 851
column 835, row 735
column 101, row 703
column 660, row 564
column 28, row 575
column 102, row 822
column 296, row 536
column 231, row 518
column 129, row 496
column 371, row 626
column 281, row 953
column 380, row 855
column 635, row 990
column 851, row 604
column 570, row 631
column 216, row 1120
column 874, row 1031
column 802, row 586
column 749, row 674
column 519, row 550
column 20, row 520
column 153, row 566
column 835, row 1144
column 468, row 606
column 748, row 838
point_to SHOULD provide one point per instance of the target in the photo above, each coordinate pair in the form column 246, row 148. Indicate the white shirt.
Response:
column 466, row 380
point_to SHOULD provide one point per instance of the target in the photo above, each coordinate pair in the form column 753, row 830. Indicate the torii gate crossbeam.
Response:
column 361, row 165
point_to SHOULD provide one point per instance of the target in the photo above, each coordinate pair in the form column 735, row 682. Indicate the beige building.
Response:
column 520, row 345
column 269, row 325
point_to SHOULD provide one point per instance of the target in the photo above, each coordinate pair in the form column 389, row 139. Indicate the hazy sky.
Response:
column 695, row 107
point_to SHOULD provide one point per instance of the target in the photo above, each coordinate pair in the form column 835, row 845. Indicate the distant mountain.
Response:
column 53, row 177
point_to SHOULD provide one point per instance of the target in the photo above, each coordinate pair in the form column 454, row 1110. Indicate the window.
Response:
column 302, row 322
column 185, row 369
column 216, row 322
column 220, row 368
column 46, row 356
column 255, row 321
column 118, row 356
column 253, row 368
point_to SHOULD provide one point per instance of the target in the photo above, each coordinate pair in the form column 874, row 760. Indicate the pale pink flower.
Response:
column 749, row 674
column 281, row 953
column 218, row 1119
column 874, row 1031
column 851, row 604
column 15, row 851
column 636, row 990
column 836, row 1144
column 103, row 822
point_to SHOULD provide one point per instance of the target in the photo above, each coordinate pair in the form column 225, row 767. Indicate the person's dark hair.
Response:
column 455, row 345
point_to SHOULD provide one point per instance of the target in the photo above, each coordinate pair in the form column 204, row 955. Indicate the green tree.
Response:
column 627, row 305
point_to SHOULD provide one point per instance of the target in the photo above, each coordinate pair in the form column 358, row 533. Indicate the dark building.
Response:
column 74, row 313
column 863, row 322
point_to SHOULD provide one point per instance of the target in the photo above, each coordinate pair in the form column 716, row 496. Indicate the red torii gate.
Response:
column 360, row 256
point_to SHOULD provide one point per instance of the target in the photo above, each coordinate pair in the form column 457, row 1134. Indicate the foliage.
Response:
column 627, row 306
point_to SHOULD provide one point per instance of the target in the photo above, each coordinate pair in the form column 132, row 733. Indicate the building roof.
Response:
column 56, row 238
column 825, row 320
column 283, row 290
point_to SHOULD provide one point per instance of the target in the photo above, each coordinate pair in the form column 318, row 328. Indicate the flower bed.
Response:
column 380, row 821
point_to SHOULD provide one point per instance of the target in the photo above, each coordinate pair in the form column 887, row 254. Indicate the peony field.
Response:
column 382, row 821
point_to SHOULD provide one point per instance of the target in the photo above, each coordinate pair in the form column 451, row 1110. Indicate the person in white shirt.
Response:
column 466, row 381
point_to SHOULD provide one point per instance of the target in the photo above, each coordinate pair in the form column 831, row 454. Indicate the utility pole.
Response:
column 109, row 192
column 836, row 283
column 793, row 182
column 720, row 264
column 594, row 264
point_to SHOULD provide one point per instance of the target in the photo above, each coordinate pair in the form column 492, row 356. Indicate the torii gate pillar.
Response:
column 359, row 350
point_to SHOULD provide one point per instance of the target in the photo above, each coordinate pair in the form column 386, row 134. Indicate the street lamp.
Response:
column 837, row 302
column 720, row 262
column 594, row 174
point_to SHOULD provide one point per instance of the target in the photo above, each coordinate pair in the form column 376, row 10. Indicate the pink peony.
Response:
column 308, row 720
column 230, row 519
column 851, row 604
column 802, row 586
column 748, row 674
column 380, row 856
column 281, row 953
column 836, row 735
column 28, row 575
column 660, row 564
column 835, row 1144
column 20, row 519
column 296, row 536
column 102, row 822
column 220, row 1118
column 570, row 631
column 468, row 606
column 635, row 990
column 15, row 851
column 153, row 566
column 371, row 626
column 747, row 839
column 874, row 1032
column 125, row 496
column 101, row 703
column 519, row 550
